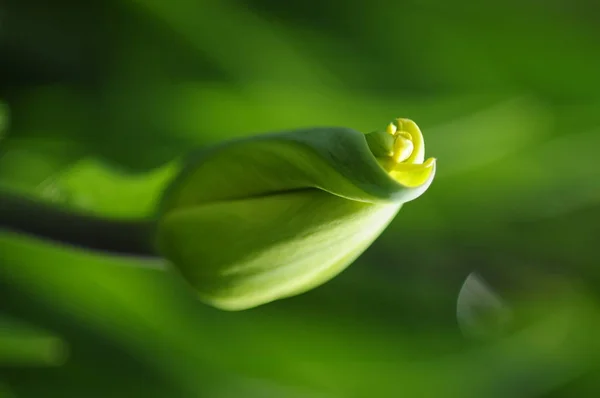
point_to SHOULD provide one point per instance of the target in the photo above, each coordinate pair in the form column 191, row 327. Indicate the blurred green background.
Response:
column 98, row 99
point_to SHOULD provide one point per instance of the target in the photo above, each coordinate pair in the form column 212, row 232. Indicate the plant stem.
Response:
column 25, row 215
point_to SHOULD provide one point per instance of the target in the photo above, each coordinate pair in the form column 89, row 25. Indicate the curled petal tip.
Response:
column 413, row 174
column 430, row 162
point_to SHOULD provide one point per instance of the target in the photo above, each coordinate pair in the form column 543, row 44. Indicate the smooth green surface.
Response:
column 240, row 254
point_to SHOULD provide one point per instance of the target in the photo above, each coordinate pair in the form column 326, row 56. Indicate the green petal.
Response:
column 243, row 253
column 336, row 160
column 254, row 220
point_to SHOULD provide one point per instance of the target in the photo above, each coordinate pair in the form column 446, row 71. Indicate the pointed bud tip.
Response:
column 430, row 162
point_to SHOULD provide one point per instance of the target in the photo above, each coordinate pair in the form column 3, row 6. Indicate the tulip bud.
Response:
column 254, row 220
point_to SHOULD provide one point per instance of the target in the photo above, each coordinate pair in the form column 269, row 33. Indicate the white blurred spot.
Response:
column 480, row 312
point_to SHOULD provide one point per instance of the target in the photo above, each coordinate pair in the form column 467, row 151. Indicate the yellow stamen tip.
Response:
column 391, row 129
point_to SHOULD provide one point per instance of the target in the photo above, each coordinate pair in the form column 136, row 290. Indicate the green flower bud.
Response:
column 258, row 219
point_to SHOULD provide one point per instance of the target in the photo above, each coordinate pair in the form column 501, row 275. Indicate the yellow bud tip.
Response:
column 391, row 129
column 406, row 159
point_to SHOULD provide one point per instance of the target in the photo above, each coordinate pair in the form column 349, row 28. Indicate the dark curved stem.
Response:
column 28, row 216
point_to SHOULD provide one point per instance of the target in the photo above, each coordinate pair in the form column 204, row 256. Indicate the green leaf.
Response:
column 23, row 345
column 258, row 219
